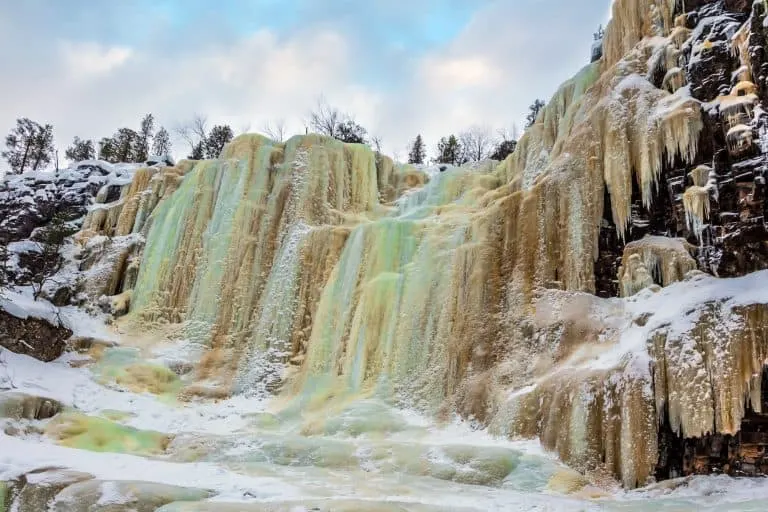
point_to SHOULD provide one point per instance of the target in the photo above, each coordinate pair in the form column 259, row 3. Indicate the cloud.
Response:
column 509, row 54
column 87, row 60
column 401, row 67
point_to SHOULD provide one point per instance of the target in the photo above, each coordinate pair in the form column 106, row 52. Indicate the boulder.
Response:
column 20, row 406
column 33, row 491
column 112, row 496
column 349, row 505
column 32, row 336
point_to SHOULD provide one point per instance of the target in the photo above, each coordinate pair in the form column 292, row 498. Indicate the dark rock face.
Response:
column 29, row 201
column 710, row 61
column 32, row 336
column 742, row 454
column 734, row 239
column 28, row 204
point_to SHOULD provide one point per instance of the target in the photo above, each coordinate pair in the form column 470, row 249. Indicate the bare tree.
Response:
column 275, row 130
column 325, row 119
column 193, row 131
column 244, row 128
column 476, row 143
column 508, row 134
column 376, row 144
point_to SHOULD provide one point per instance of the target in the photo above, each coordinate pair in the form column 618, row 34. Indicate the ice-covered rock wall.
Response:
column 324, row 272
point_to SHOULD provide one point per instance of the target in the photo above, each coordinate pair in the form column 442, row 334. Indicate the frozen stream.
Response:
column 258, row 455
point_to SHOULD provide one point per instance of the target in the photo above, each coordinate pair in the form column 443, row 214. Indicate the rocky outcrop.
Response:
column 63, row 490
column 32, row 336
column 336, row 505
column 715, row 202
column 33, row 491
column 30, row 200
column 20, row 406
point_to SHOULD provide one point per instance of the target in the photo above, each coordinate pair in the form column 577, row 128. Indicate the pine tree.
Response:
column 50, row 240
column 599, row 34
column 29, row 146
column 144, row 139
column 126, row 145
column 350, row 132
column 107, row 149
column 80, row 150
column 217, row 138
column 162, row 143
column 4, row 278
column 198, row 152
column 535, row 108
column 449, row 151
column 418, row 153
column 42, row 150
column 503, row 149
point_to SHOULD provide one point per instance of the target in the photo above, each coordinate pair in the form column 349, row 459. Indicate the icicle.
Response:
column 654, row 259
column 696, row 204
column 631, row 21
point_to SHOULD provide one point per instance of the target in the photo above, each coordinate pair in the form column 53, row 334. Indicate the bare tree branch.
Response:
column 275, row 131
column 476, row 143
column 193, row 131
column 325, row 119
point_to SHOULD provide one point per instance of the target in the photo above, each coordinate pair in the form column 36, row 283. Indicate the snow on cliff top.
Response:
column 20, row 303
column 676, row 309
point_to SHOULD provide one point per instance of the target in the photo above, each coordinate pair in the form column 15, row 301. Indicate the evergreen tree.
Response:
column 218, row 137
column 4, row 279
column 42, row 150
column 503, row 149
column 162, row 143
column 198, row 152
column 599, row 34
column 126, row 145
column 144, row 139
column 351, row 132
column 107, row 149
column 20, row 143
column 80, row 150
column 50, row 240
column 449, row 151
column 535, row 108
column 505, row 144
column 29, row 146
column 418, row 152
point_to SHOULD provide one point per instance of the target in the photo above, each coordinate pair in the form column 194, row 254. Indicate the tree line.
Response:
column 30, row 146
column 473, row 145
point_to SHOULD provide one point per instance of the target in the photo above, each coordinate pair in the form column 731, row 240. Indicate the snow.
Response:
column 675, row 310
column 22, row 305
column 24, row 246
column 19, row 456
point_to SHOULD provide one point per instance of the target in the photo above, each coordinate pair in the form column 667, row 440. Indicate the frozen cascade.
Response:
column 313, row 325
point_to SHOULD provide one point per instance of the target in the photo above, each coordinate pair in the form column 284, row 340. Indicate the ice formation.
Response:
column 325, row 273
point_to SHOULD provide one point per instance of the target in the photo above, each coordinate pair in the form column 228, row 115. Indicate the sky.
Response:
column 401, row 67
